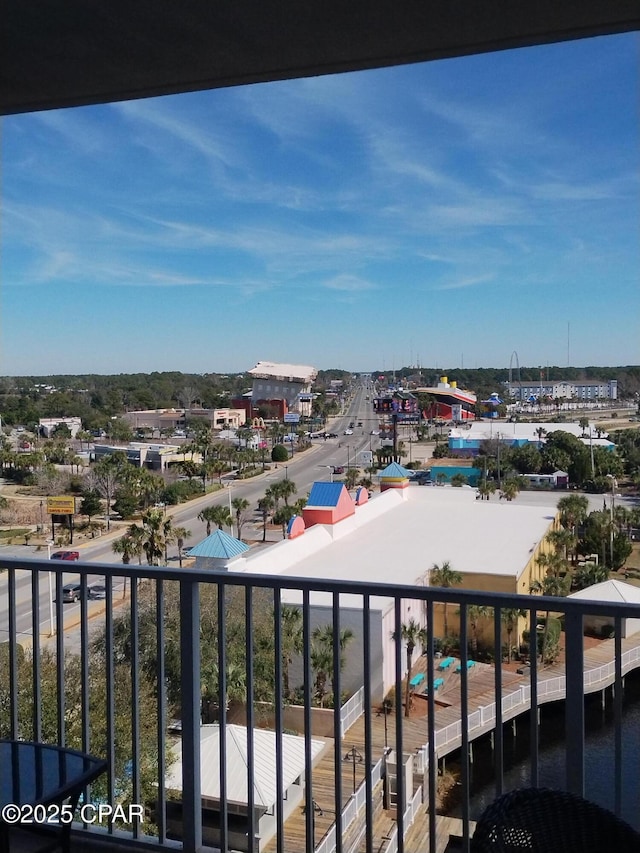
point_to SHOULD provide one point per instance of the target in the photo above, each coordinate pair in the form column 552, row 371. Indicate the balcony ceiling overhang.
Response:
column 60, row 53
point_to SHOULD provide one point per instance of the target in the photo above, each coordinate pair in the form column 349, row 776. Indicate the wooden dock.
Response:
column 415, row 734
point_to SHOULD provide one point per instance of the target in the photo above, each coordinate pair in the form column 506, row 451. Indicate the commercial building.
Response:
column 402, row 534
column 449, row 402
column 467, row 441
column 155, row 457
column 46, row 426
column 291, row 383
column 164, row 420
column 587, row 391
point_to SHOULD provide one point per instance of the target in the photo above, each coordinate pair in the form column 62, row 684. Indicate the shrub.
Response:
column 279, row 453
column 181, row 490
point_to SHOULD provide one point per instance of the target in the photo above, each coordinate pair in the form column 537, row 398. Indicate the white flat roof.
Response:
column 397, row 536
column 301, row 372
column 529, row 431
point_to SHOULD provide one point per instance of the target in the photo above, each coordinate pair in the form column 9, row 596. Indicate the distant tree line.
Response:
column 96, row 399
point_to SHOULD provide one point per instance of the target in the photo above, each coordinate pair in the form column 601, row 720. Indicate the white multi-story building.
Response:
column 289, row 382
column 48, row 425
column 581, row 391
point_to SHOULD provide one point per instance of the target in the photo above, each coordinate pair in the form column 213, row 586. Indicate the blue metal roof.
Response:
column 325, row 494
column 219, row 546
column 394, row 470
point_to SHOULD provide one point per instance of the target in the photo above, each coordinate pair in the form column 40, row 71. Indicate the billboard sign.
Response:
column 292, row 418
column 62, row 505
column 407, row 405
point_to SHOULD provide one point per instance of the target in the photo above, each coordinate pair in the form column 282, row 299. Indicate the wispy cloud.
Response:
column 349, row 284
column 460, row 283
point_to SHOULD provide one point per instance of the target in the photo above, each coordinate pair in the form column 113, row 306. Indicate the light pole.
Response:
column 330, row 467
column 286, row 473
column 348, row 456
column 356, row 757
column 230, row 508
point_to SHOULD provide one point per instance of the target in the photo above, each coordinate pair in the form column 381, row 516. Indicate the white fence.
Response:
column 518, row 701
column 350, row 811
column 409, row 817
column 351, row 710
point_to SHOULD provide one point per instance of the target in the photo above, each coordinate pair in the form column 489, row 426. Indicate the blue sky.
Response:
column 441, row 214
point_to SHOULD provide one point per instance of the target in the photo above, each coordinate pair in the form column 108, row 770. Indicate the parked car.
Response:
column 65, row 555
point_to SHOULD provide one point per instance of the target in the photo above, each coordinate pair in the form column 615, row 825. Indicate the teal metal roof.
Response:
column 393, row 470
column 219, row 546
column 325, row 494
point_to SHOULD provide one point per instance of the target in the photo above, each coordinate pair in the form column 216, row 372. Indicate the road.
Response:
column 304, row 469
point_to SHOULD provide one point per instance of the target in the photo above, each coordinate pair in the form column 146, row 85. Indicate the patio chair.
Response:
column 545, row 821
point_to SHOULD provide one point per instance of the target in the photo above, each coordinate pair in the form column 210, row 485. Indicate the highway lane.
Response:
column 304, row 469
column 46, row 595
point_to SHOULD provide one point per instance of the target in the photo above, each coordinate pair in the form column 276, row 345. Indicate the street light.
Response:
column 348, row 456
column 356, row 757
column 230, row 508
column 330, row 467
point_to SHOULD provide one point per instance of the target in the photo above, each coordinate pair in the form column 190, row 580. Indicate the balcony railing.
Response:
column 122, row 666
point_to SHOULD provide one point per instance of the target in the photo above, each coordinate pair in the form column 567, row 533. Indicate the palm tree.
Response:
column 240, row 506
column 551, row 585
column 321, row 663
column 208, row 515
column 444, row 576
column 411, row 633
column 510, row 488
column 265, row 505
column 283, row 516
column 179, row 534
column 351, row 478
column 219, row 515
column 563, row 540
column 573, row 511
column 284, row 489
column 217, row 467
column 153, row 535
column 322, row 656
column 484, row 489
column 509, row 617
column 590, row 574
column 554, row 564
column 475, row 612
column 291, row 624
column 128, row 548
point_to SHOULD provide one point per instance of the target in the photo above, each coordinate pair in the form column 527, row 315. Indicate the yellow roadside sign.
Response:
column 62, row 505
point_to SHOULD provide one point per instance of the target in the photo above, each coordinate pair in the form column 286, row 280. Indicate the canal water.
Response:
column 599, row 754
